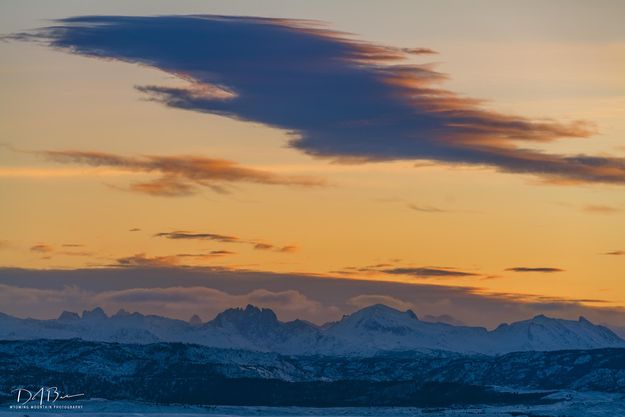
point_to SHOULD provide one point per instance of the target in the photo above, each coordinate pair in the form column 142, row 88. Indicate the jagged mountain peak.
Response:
column 249, row 314
column 68, row 316
column 95, row 314
column 122, row 313
column 195, row 320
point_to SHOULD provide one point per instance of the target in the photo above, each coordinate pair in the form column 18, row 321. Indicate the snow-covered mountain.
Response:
column 374, row 329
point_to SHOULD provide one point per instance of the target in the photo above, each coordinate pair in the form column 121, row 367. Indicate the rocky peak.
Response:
column 69, row 316
column 95, row 314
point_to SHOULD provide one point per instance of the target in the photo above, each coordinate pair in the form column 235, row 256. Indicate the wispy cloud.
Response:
column 215, row 237
column 340, row 98
column 68, row 249
column 602, row 209
column 42, row 248
column 180, row 175
column 184, row 235
column 426, row 209
column 428, row 272
column 141, row 260
column 534, row 269
column 76, row 253
column 616, row 253
column 392, row 268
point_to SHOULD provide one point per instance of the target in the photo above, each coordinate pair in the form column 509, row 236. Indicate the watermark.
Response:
column 44, row 398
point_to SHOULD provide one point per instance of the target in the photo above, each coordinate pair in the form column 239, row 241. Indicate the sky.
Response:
column 455, row 158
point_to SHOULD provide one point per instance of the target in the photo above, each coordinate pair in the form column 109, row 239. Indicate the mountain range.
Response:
column 370, row 331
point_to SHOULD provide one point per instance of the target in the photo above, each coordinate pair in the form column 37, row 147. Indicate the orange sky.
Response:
column 293, row 212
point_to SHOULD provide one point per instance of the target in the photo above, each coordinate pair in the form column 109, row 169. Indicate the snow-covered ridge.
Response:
column 374, row 329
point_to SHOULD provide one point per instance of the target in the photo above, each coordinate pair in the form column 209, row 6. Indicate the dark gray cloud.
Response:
column 340, row 98
column 534, row 269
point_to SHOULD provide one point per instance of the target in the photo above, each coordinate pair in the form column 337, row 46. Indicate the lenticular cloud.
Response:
column 340, row 98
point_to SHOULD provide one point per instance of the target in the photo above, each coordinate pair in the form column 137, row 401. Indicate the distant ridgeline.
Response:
column 367, row 332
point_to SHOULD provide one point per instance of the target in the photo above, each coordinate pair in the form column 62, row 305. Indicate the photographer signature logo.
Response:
column 42, row 395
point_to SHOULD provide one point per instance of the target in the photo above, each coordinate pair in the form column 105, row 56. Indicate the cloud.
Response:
column 180, row 175
column 257, row 245
column 361, row 301
column 42, row 248
column 427, row 272
column 288, row 249
column 537, row 269
column 392, row 268
column 75, row 253
column 134, row 229
column 184, row 235
column 339, row 98
column 601, row 209
column 426, row 209
column 48, row 250
column 616, row 253
column 269, row 246
column 141, row 260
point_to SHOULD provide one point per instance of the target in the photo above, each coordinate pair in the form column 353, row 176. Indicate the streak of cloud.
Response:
column 416, row 272
column 543, row 269
column 426, row 209
column 180, row 175
column 601, row 209
column 42, row 248
column 255, row 244
column 141, row 260
column 428, row 272
column 184, row 235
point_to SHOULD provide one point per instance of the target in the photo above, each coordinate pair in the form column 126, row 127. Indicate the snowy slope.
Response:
column 379, row 327
column 544, row 333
